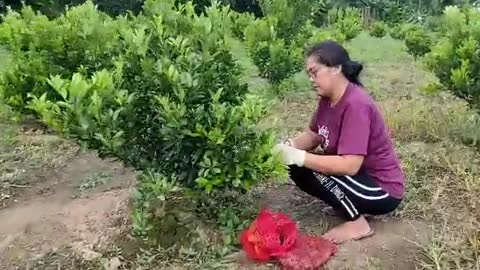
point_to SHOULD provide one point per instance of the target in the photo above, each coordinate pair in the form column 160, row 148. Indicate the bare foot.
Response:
column 351, row 230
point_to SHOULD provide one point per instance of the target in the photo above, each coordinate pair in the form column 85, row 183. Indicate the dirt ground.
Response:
column 79, row 203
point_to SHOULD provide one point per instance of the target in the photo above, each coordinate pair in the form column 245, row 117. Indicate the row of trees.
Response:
column 386, row 10
column 448, row 46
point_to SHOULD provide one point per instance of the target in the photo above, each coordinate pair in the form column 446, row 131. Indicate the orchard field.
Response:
column 143, row 141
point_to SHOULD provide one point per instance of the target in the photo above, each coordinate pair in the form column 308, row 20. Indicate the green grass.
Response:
column 374, row 50
column 250, row 71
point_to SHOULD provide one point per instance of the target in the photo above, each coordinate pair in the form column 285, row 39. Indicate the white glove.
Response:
column 290, row 155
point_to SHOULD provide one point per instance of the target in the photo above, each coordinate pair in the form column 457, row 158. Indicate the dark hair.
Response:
column 332, row 54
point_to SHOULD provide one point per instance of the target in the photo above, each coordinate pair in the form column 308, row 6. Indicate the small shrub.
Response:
column 418, row 42
column 400, row 30
column 379, row 29
column 276, row 42
column 93, row 110
column 160, row 90
column 276, row 61
column 240, row 23
column 84, row 40
column 290, row 16
column 326, row 34
column 347, row 21
column 454, row 58
column 435, row 24
column 396, row 32
column 276, row 58
column 221, row 16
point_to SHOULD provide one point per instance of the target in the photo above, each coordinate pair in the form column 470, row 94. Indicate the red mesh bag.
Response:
column 274, row 236
column 310, row 252
column 270, row 235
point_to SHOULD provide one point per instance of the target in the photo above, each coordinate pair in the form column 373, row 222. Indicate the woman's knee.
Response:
column 300, row 176
column 307, row 182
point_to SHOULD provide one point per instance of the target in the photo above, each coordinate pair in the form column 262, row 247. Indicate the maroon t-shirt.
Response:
column 355, row 126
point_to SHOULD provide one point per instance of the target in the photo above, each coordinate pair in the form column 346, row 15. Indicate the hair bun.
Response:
column 353, row 68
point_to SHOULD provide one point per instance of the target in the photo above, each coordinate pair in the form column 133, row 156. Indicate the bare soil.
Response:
column 53, row 211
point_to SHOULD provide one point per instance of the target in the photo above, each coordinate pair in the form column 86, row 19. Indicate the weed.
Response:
column 94, row 180
column 452, row 249
column 432, row 119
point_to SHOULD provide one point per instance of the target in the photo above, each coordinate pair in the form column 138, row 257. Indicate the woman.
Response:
column 359, row 173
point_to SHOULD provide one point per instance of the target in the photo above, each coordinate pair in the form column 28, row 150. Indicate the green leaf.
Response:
column 78, row 87
column 58, row 84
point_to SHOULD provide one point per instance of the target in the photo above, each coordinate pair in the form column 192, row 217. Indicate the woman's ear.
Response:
column 336, row 69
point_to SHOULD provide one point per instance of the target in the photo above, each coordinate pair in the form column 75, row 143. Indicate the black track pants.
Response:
column 354, row 195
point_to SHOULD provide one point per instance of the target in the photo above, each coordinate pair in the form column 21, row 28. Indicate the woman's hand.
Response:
column 331, row 165
column 290, row 155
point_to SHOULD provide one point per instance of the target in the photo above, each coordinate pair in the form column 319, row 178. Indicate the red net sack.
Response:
column 270, row 235
column 274, row 236
column 310, row 252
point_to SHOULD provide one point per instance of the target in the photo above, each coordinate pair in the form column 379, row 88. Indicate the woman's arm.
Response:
column 352, row 144
column 307, row 141
column 334, row 165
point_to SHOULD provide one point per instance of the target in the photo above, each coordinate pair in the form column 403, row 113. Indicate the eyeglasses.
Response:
column 312, row 73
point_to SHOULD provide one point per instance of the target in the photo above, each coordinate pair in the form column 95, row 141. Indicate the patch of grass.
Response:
column 371, row 50
column 8, row 136
column 158, row 258
column 389, row 71
column 452, row 249
column 255, row 82
column 66, row 258
column 443, row 187
column 435, row 172
column 94, row 180
column 302, row 83
column 291, row 114
column 432, row 119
